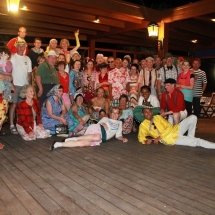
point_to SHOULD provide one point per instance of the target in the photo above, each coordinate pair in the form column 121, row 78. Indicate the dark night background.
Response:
column 161, row 4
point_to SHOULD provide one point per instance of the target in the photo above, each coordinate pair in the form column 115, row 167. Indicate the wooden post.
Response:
column 92, row 49
column 163, row 38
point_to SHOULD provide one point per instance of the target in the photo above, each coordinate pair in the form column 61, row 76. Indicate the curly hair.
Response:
column 23, row 90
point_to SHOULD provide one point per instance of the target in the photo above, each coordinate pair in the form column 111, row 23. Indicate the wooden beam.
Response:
column 59, row 20
column 118, row 7
column 72, row 15
column 6, row 21
column 194, row 27
column 128, row 27
column 186, row 35
column 188, row 11
column 90, row 8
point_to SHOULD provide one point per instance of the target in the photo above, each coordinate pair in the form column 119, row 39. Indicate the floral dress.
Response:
column 89, row 86
column 48, row 122
column 75, row 81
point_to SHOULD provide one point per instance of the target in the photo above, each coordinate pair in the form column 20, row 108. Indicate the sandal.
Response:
column 13, row 130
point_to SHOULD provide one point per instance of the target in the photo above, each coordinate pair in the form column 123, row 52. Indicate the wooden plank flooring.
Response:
column 115, row 178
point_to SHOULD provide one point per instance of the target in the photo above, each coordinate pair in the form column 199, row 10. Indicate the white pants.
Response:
column 183, row 115
column 189, row 124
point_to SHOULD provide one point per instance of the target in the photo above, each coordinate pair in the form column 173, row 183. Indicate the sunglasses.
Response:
column 110, row 61
column 154, row 126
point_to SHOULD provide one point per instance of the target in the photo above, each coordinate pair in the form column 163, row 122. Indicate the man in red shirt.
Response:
column 172, row 103
column 21, row 37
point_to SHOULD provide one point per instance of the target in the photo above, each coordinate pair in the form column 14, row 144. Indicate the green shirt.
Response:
column 47, row 73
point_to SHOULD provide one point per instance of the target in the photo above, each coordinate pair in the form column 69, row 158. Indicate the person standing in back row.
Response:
column 199, row 85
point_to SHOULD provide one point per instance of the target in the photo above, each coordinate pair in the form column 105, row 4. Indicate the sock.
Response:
column 71, row 138
column 58, row 144
column 12, row 126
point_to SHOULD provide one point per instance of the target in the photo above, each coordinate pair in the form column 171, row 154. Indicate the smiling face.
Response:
column 125, row 63
column 60, row 93
column 114, row 114
column 79, row 100
column 133, row 70
column 90, row 65
column 185, row 66
column 61, row 67
column 147, row 113
column 22, row 32
column 169, row 61
column 118, row 63
column 37, row 44
column 21, row 49
column 169, row 87
column 64, row 45
column 122, row 101
column 30, row 93
column 145, row 93
column 77, row 65
column 100, row 93
column 52, row 60
column 149, row 64
column 196, row 65
column 53, row 44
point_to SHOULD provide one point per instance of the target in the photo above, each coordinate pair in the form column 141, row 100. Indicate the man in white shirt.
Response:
column 21, row 76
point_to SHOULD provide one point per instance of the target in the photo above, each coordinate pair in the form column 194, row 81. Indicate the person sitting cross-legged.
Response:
column 172, row 103
column 104, row 130
column 162, row 131
column 29, row 124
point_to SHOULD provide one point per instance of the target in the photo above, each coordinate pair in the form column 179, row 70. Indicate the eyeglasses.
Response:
column 110, row 61
column 154, row 126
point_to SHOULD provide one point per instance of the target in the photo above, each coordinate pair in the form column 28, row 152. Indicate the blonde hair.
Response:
column 23, row 90
column 64, row 40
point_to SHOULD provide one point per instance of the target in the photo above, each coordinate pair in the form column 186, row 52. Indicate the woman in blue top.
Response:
column 76, row 77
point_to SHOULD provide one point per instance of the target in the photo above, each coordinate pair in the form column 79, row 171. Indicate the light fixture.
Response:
column 97, row 19
column 13, row 5
column 194, row 41
column 153, row 29
column 24, row 8
column 213, row 20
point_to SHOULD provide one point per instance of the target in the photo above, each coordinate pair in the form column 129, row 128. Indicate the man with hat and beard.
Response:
column 165, row 72
column 161, row 131
column 172, row 103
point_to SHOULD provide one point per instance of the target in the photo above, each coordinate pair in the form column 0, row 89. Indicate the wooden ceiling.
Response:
column 120, row 22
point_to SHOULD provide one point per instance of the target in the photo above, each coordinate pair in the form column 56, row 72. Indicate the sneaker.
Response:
column 13, row 130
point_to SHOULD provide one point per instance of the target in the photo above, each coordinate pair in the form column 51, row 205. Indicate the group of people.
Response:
column 96, row 99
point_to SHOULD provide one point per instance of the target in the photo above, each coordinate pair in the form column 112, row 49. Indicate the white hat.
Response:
column 150, row 58
column 75, row 52
column 52, row 53
column 20, row 42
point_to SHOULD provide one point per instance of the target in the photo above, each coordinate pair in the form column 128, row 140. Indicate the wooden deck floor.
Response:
column 115, row 178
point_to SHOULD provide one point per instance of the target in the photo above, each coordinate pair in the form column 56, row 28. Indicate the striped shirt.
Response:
column 200, row 79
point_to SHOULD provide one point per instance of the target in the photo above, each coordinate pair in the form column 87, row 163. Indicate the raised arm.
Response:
column 77, row 43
